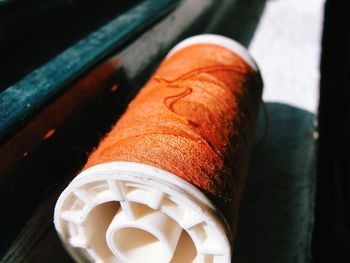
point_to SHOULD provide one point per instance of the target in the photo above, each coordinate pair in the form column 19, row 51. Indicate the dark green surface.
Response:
column 32, row 32
column 29, row 94
column 36, row 176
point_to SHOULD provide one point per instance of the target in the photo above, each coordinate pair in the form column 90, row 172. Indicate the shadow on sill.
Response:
column 277, row 208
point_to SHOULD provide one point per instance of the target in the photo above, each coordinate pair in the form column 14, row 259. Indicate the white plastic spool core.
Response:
column 151, row 233
column 131, row 212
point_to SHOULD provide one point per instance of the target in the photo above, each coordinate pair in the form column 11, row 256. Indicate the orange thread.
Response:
column 195, row 118
column 49, row 134
column 114, row 88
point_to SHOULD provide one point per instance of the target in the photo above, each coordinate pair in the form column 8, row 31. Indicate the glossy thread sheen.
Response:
column 194, row 118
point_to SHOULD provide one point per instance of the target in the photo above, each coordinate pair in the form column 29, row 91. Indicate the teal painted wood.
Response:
column 23, row 98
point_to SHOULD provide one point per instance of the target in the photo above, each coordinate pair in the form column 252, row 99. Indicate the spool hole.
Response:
column 185, row 251
column 96, row 225
column 138, row 245
column 133, row 243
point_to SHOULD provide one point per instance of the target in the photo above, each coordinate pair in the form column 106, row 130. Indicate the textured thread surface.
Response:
column 194, row 118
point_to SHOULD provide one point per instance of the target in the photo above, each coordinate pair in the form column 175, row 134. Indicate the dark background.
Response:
column 331, row 239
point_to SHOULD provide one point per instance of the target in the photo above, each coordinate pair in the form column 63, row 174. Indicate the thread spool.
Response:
column 166, row 182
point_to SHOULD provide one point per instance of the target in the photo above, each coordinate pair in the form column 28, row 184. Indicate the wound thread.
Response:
column 195, row 119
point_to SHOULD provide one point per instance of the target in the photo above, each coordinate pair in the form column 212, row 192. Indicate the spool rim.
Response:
column 200, row 218
column 219, row 40
column 145, row 175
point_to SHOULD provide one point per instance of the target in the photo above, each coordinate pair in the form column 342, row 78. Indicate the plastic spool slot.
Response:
column 127, row 212
column 131, row 212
